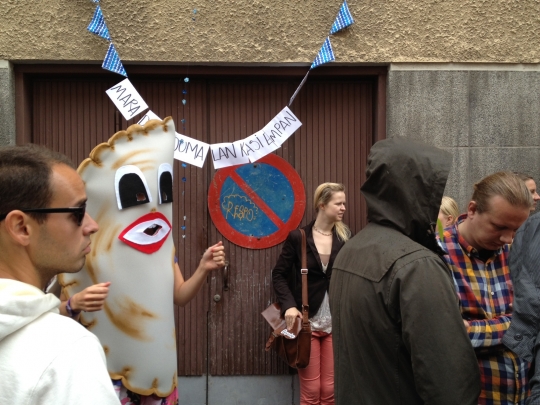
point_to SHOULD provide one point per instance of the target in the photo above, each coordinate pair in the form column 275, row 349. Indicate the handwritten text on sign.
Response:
column 186, row 149
column 260, row 144
column 190, row 150
column 128, row 101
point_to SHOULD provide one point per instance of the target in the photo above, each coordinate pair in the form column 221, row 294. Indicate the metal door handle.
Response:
column 226, row 276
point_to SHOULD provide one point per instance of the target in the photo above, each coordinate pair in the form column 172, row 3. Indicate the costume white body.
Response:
column 129, row 187
column 47, row 358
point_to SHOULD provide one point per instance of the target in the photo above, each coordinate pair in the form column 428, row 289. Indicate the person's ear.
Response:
column 19, row 227
column 449, row 221
column 472, row 208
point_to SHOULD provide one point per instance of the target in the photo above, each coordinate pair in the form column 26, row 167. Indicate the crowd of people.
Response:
column 422, row 306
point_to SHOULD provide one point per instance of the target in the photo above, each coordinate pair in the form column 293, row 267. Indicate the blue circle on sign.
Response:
column 256, row 205
column 243, row 214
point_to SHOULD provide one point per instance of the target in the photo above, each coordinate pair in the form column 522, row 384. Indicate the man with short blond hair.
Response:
column 477, row 250
column 45, row 358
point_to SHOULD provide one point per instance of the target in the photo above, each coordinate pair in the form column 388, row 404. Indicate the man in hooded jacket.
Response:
column 398, row 333
column 523, row 335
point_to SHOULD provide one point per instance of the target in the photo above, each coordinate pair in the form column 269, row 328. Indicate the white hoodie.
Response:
column 47, row 358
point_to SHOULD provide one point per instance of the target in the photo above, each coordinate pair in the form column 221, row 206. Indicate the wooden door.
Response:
column 341, row 116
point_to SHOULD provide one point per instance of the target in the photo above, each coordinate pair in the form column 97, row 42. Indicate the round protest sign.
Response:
column 256, row 205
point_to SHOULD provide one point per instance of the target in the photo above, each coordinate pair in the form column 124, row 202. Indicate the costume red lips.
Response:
column 148, row 233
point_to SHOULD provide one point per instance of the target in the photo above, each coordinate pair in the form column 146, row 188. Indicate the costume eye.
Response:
column 131, row 187
column 165, row 183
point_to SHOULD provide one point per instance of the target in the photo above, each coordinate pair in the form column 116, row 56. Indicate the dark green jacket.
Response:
column 397, row 330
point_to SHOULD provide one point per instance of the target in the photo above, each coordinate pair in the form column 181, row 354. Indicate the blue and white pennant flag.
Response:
column 98, row 26
column 326, row 54
column 112, row 61
column 343, row 19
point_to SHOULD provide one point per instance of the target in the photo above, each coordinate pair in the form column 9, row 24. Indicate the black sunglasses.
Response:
column 78, row 212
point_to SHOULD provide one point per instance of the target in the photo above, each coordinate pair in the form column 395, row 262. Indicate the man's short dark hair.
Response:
column 25, row 173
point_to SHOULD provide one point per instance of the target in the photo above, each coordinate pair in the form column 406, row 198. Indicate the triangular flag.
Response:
column 326, row 54
column 112, row 61
column 343, row 19
column 97, row 25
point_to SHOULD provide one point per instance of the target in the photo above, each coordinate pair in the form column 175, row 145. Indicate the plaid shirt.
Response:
column 484, row 291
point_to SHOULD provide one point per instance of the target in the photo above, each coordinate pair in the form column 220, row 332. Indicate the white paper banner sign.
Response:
column 149, row 115
column 261, row 144
column 227, row 154
column 190, row 150
column 282, row 126
column 128, row 101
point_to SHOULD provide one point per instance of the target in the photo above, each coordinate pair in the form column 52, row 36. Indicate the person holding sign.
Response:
column 324, row 238
column 129, row 183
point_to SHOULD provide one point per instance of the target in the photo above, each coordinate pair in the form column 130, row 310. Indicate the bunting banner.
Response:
column 112, row 61
column 326, row 54
column 343, row 19
column 98, row 26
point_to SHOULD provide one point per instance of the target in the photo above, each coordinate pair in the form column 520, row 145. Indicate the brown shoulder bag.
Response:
column 293, row 346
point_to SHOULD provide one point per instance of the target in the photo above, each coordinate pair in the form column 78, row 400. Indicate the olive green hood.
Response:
column 404, row 187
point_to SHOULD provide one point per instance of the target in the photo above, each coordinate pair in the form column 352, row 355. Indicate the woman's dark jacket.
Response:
column 286, row 275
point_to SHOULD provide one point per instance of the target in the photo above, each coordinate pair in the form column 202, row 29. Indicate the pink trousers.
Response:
column 317, row 379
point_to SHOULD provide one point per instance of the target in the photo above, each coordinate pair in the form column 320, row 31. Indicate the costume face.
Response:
column 497, row 225
column 62, row 244
column 129, row 186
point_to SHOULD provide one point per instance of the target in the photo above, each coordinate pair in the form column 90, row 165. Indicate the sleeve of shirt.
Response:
column 488, row 332
column 443, row 361
column 77, row 376
column 534, row 382
column 281, row 272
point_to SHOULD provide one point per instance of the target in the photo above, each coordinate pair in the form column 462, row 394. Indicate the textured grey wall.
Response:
column 7, row 104
column 274, row 31
column 489, row 120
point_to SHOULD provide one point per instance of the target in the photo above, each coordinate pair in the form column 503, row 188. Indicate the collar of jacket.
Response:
column 336, row 244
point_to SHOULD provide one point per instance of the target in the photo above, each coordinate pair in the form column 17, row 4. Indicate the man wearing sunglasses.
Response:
column 45, row 358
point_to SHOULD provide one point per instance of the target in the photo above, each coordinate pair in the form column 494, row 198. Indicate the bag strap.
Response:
column 304, row 271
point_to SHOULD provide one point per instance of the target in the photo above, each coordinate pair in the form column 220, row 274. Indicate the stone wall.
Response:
column 489, row 119
column 7, row 104
column 273, row 31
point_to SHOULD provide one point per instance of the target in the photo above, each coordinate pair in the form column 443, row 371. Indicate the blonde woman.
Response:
column 325, row 236
column 449, row 212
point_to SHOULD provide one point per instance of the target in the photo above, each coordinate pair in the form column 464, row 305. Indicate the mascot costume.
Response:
column 130, row 193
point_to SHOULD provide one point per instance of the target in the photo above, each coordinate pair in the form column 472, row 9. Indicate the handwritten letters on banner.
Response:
column 128, row 100
column 190, row 150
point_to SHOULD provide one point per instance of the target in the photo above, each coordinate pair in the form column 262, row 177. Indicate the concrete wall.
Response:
column 487, row 116
column 7, row 104
column 239, row 390
column 273, row 31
